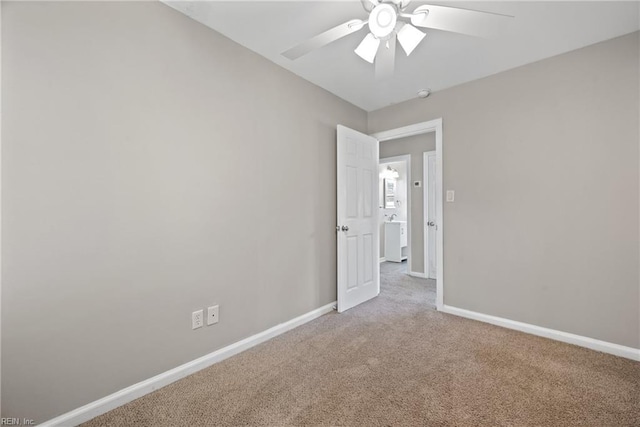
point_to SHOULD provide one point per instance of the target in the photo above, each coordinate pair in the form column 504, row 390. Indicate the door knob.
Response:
column 345, row 228
column 431, row 223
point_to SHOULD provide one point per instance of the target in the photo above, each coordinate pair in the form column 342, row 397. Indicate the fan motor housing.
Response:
column 382, row 20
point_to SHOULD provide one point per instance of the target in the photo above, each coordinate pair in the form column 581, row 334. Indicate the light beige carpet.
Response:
column 394, row 361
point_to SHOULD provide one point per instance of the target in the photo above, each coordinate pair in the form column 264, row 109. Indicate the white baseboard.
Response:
column 579, row 340
column 119, row 398
column 416, row 274
column 383, row 259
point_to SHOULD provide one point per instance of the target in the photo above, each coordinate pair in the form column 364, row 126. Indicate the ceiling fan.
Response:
column 388, row 21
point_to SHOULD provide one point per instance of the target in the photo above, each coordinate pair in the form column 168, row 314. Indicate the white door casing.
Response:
column 357, row 219
column 430, row 231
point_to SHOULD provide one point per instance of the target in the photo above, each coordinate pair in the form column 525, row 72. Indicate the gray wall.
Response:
column 146, row 173
column 415, row 146
column 544, row 161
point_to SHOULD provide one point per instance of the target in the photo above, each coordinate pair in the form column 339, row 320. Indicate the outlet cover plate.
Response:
column 197, row 319
column 213, row 315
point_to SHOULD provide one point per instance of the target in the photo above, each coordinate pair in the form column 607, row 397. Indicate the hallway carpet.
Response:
column 395, row 361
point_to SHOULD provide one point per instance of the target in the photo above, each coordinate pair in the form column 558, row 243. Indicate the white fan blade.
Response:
column 463, row 21
column 324, row 39
column 409, row 37
column 369, row 4
column 368, row 48
column 386, row 58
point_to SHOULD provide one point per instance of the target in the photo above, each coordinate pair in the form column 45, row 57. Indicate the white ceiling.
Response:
column 539, row 30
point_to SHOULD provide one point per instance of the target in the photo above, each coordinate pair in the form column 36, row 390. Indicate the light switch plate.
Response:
column 451, row 195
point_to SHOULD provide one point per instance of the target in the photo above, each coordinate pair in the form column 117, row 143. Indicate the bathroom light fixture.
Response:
column 389, row 172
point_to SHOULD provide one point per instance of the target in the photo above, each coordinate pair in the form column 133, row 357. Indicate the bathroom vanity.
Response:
column 395, row 241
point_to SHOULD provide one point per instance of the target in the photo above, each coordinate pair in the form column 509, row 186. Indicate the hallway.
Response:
column 397, row 285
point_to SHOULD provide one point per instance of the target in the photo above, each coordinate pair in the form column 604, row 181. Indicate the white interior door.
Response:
column 357, row 226
column 431, row 222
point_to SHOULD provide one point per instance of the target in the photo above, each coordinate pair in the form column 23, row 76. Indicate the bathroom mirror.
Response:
column 389, row 193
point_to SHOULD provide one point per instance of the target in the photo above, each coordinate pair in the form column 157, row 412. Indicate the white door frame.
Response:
column 419, row 129
column 406, row 158
column 425, row 212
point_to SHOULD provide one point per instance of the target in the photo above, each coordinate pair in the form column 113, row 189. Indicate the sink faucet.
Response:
column 392, row 217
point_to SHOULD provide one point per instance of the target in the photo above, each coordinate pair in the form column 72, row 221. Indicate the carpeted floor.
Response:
column 396, row 361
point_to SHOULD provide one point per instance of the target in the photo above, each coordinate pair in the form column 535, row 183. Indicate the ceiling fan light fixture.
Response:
column 409, row 37
column 368, row 48
column 387, row 23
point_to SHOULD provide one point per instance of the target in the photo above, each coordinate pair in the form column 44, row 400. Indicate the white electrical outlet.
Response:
column 197, row 319
column 212, row 315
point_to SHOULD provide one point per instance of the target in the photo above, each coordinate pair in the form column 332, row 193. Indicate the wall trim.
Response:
column 119, row 398
column 579, row 340
column 382, row 259
column 405, row 131
column 416, row 274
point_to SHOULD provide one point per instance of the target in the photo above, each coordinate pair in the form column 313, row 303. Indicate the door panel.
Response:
column 352, row 262
column 367, row 183
column 352, row 196
column 358, row 249
column 368, row 257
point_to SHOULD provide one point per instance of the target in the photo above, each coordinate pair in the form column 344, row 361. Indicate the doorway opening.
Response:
column 407, row 218
column 393, row 216
column 424, row 219
column 357, row 227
